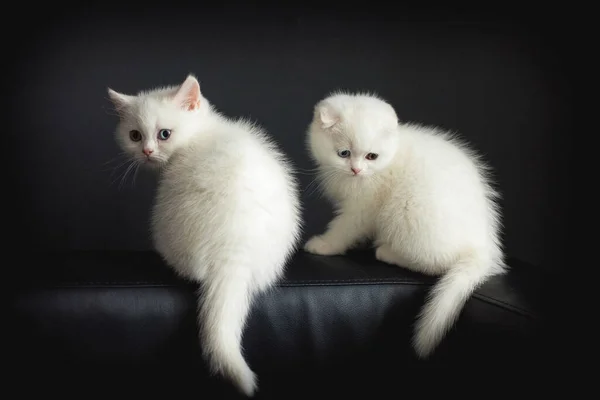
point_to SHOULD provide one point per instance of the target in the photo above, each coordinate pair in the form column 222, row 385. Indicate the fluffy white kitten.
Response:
column 419, row 194
column 227, row 210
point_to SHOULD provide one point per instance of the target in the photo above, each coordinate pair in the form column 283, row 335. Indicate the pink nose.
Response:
column 355, row 170
column 148, row 151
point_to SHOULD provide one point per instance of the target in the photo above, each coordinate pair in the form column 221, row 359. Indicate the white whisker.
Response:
column 124, row 178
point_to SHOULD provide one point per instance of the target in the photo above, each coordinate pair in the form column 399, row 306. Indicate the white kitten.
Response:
column 422, row 196
column 227, row 211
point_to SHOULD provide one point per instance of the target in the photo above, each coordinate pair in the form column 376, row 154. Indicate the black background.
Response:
column 497, row 75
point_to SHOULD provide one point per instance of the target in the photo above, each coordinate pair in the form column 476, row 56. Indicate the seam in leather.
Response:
column 299, row 283
column 283, row 283
column 482, row 297
column 503, row 304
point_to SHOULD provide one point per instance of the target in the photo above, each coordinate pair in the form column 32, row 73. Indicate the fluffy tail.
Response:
column 446, row 300
column 223, row 305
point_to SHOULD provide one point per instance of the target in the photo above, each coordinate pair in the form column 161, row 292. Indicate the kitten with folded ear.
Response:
column 421, row 195
column 226, row 213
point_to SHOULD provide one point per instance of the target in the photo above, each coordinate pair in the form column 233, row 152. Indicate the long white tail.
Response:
column 446, row 301
column 223, row 305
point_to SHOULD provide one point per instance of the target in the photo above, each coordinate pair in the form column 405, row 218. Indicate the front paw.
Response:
column 385, row 254
column 316, row 245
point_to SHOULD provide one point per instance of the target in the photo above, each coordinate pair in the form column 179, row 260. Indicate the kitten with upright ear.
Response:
column 226, row 213
column 154, row 124
column 421, row 195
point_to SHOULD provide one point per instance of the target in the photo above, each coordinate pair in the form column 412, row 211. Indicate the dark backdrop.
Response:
column 497, row 76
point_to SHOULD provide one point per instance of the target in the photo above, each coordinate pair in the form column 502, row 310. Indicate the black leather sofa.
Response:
column 341, row 324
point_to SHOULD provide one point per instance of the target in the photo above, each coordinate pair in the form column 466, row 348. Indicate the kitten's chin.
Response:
column 152, row 163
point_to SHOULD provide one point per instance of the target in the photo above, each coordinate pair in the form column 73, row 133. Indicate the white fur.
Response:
column 227, row 211
column 426, row 202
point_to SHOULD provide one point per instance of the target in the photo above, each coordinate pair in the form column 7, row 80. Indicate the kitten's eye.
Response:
column 164, row 134
column 135, row 136
column 344, row 153
column 372, row 156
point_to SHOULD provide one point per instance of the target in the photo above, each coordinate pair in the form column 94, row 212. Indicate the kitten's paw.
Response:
column 316, row 245
column 385, row 254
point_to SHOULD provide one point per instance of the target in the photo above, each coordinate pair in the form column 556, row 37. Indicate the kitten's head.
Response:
column 154, row 123
column 353, row 134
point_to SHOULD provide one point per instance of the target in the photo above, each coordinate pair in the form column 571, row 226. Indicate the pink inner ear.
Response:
column 328, row 119
column 188, row 96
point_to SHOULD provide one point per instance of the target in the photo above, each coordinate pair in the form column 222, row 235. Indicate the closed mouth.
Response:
column 154, row 161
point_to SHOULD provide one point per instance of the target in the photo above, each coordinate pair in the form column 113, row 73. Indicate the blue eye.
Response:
column 164, row 134
column 344, row 153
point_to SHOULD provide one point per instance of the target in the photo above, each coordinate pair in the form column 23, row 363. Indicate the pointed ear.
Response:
column 120, row 100
column 188, row 96
column 326, row 116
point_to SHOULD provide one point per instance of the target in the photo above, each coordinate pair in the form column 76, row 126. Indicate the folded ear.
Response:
column 120, row 100
column 326, row 115
column 188, row 96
